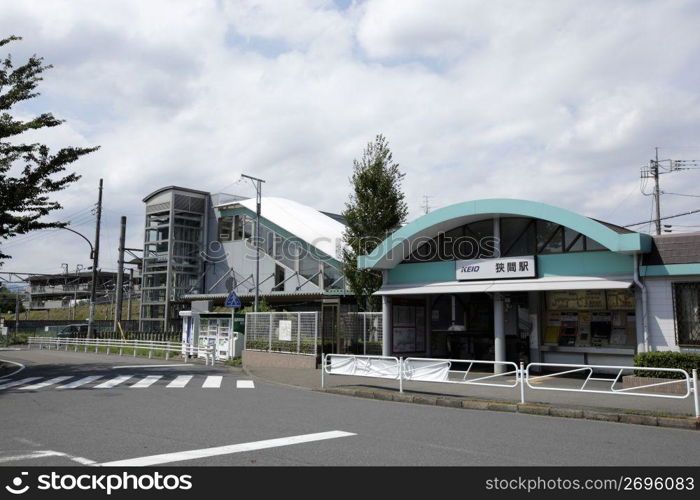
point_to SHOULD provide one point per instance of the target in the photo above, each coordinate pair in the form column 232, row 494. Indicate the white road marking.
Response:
column 19, row 382
column 113, row 382
column 212, row 382
column 45, row 383
column 47, row 453
column 173, row 365
column 147, row 382
column 21, row 367
column 225, row 450
column 79, row 382
column 245, row 384
column 180, row 381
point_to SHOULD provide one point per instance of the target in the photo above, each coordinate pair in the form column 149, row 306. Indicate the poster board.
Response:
column 285, row 330
column 575, row 300
column 552, row 327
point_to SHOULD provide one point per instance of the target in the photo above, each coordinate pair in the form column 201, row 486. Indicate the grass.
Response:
column 234, row 362
column 102, row 312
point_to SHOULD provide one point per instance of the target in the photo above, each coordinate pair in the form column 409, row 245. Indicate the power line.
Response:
column 653, row 171
column 679, row 194
column 663, row 218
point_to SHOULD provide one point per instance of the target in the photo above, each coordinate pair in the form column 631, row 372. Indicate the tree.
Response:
column 376, row 209
column 8, row 301
column 29, row 173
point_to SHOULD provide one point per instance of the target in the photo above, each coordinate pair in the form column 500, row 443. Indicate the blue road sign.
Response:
column 233, row 301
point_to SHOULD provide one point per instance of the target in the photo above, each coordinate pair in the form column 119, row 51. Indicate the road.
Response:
column 240, row 421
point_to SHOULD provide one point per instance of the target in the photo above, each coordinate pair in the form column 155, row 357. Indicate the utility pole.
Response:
column 120, row 275
column 657, row 192
column 426, row 204
column 131, row 291
column 16, row 312
column 654, row 171
column 258, row 190
column 95, row 262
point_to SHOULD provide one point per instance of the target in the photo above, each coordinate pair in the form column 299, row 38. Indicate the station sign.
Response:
column 495, row 269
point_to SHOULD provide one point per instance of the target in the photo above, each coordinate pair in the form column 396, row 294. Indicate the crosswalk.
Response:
column 65, row 382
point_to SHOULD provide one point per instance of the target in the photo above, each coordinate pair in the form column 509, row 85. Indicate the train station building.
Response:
column 517, row 280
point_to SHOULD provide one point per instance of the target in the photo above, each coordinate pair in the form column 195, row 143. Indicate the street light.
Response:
column 258, row 198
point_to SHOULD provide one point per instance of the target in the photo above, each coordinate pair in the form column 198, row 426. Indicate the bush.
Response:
column 666, row 359
column 306, row 346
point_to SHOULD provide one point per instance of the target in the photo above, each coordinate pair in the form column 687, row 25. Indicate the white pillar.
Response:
column 386, row 326
column 499, row 335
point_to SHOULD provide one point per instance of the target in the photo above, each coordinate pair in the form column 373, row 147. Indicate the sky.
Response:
column 560, row 102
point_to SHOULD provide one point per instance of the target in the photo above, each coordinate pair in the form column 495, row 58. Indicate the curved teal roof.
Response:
column 452, row 216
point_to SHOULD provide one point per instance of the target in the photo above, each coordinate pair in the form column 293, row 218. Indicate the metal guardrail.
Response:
column 187, row 350
column 437, row 370
column 590, row 370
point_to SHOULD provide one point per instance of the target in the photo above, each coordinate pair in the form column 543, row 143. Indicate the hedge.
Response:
column 666, row 359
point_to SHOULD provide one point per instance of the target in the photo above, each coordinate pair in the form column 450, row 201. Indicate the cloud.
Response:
column 557, row 102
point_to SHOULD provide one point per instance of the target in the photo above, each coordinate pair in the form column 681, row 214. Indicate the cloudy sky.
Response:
column 555, row 101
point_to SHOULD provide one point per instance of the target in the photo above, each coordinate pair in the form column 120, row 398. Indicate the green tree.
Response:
column 29, row 173
column 376, row 209
column 8, row 301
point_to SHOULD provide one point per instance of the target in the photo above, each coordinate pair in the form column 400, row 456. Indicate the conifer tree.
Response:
column 376, row 208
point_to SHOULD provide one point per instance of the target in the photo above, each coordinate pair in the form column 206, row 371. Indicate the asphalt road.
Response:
column 50, row 426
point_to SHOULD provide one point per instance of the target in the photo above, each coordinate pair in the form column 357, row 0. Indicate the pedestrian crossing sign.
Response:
column 233, row 301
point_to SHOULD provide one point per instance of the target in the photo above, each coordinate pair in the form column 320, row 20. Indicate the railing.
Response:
column 362, row 366
column 440, row 370
column 589, row 370
column 151, row 346
column 290, row 332
column 506, row 374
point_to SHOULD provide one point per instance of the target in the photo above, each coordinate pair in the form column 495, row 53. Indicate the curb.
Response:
column 688, row 423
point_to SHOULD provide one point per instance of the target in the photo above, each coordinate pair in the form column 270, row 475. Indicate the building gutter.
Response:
column 643, row 288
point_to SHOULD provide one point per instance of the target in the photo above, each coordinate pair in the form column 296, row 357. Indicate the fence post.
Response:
column 269, row 336
column 167, row 353
column 696, row 397
column 400, row 375
column 364, row 334
column 316, row 335
column 522, row 383
column 298, row 333
column 150, row 349
column 323, row 369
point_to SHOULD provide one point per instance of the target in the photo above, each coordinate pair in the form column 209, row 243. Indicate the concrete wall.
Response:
column 277, row 359
column 662, row 328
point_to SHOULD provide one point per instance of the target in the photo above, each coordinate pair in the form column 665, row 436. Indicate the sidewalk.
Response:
column 558, row 403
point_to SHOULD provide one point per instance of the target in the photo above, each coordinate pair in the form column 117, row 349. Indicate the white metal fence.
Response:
column 361, row 332
column 121, row 347
column 506, row 374
column 286, row 332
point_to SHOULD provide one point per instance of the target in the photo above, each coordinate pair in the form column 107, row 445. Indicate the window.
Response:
column 225, row 228
column 517, row 236
column 248, row 228
column 266, row 240
column 238, row 227
column 573, row 241
column 308, row 266
column 279, row 279
column 549, row 237
column 686, row 301
column 332, row 278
